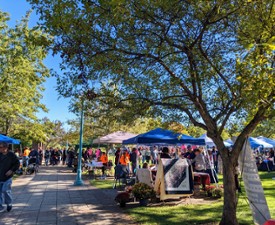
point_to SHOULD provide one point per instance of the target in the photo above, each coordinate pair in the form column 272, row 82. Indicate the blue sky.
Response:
column 58, row 108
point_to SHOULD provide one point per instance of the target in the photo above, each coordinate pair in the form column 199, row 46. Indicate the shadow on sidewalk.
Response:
column 50, row 197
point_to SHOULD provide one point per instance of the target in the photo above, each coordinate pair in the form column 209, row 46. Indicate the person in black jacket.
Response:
column 9, row 163
column 133, row 160
column 165, row 153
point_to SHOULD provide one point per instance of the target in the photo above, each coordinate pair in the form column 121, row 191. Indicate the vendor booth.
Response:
column 114, row 138
column 9, row 140
column 159, row 135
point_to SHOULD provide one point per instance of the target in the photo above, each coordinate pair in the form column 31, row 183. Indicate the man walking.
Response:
column 9, row 163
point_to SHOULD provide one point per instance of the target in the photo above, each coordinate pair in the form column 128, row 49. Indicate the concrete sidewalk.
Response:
column 50, row 198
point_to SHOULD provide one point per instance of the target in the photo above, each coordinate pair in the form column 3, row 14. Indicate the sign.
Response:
column 253, row 185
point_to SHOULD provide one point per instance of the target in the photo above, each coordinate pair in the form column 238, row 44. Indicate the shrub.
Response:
column 143, row 191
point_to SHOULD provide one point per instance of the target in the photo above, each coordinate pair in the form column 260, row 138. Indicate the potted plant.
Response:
column 143, row 192
column 218, row 192
column 209, row 190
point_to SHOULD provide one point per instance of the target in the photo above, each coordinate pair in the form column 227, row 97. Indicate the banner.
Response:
column 253, row 185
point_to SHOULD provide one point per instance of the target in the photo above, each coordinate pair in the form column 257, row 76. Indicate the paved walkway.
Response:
column 50, row 198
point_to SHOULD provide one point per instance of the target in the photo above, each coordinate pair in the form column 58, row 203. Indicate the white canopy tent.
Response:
column 114, row 138
column 208, row 141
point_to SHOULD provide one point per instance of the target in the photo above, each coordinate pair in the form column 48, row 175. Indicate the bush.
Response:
column 214, row 191
column 143, row 191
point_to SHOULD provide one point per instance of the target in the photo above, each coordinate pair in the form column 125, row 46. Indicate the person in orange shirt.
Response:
column 104, row 159
column 124, row 158
column 26, row 156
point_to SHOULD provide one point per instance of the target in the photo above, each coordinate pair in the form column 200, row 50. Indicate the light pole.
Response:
column 78, row 180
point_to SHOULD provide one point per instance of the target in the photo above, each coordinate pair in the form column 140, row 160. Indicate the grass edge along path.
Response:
column 203, row 213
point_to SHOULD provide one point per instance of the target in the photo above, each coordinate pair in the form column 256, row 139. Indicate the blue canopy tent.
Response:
column 267, row 140
column 9, row 140
column 255, row 143
column 159, row 135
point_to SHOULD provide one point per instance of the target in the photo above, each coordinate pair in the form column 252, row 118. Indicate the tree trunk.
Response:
column 230, row 201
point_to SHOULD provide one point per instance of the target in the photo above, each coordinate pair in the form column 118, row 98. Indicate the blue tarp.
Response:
column 9, row 140
column 267, row 140
column 255, row 143
column 159, row 135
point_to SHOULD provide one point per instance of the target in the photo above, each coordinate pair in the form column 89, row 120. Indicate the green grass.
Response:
column 102, row 184
column 205, row 213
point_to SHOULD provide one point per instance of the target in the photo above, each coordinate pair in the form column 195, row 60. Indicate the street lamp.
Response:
column 78, row 180
column 90, row 95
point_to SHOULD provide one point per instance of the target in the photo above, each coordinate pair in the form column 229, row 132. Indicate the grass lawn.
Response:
column 205, row 213
column 103, row 184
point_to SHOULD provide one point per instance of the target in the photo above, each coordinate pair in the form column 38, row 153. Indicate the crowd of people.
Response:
column 265, row 160
column 206, row 161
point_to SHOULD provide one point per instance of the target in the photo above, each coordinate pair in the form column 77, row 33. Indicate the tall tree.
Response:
column 22, row 73
column 210, row 60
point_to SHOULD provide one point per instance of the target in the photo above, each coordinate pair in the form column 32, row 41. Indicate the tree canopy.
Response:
column 209, row 61
column 22, row 74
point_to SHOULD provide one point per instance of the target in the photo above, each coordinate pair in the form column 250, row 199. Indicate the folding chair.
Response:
column 121, row 173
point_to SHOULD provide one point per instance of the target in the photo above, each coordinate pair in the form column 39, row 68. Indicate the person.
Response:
column 59, row 158
column 9, row 163
column 144, row 175
column 155, row 155
column 124, row 159
column 40, row 155
column 236, row 178
column 165, row 153
column 190, row 153
column 34, row 154
column 199, row 161
column 147, row 155
column 104, row 159
column 47, row 157
column 98, row 153
column 17, row 153
column 85, row 155
column 209, row 164
column 26, row 153
column 133, row 160
column 71, row 155
column 90, row 153
column 143, row 154
column 117, row 154
column 215, row 155
column 64, row 156
column 54, row 157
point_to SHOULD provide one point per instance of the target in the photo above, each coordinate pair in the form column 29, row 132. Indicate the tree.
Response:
column 55, row 134
column 212, row 61
column 22, row 74
column 266, row 129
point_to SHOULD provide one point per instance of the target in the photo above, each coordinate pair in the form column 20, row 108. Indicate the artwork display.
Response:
column 177, row 176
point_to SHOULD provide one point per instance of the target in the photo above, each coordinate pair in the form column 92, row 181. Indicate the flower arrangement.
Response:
column 143, row 191
column 129, row 189
column 215, row 191
column 209, row 190
column 218, row 192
